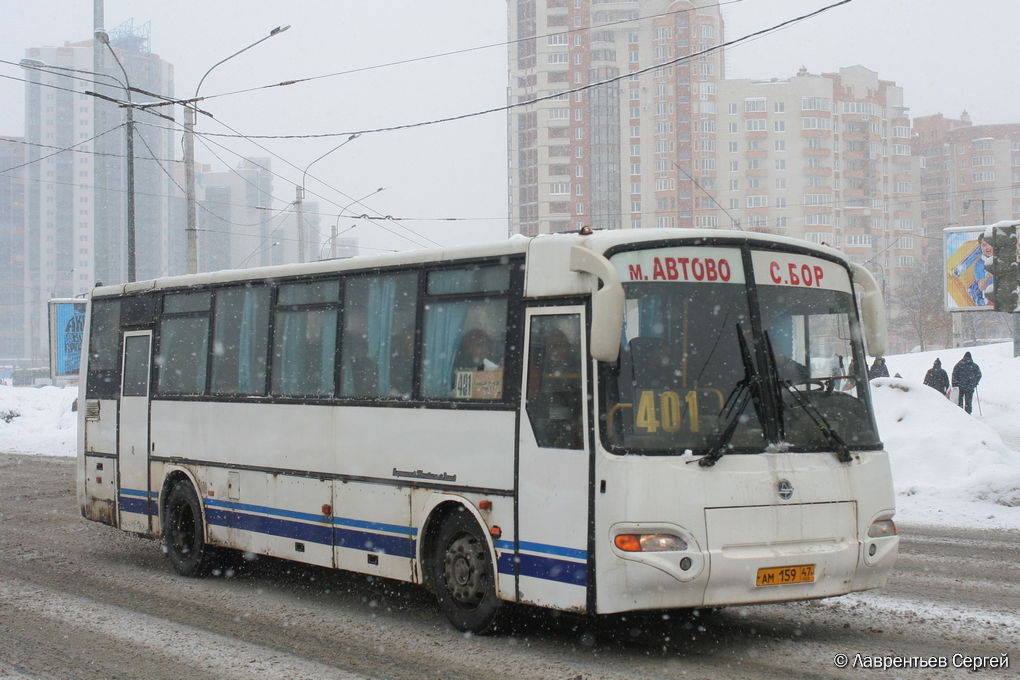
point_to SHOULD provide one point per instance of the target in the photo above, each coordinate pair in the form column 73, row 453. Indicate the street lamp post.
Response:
column 104, row 37
column 336, row 226
column 967, row 202
column 299, row 197
column 189, row 155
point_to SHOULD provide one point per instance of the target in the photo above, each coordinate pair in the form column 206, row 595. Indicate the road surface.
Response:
column 83, row 600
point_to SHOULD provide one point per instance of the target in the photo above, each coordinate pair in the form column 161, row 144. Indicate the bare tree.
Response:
column 920, row 301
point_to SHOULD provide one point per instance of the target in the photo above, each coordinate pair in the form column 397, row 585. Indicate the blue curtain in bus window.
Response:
column 305, row 350
column 240, row 341
column 444, row 326
column 382, row 296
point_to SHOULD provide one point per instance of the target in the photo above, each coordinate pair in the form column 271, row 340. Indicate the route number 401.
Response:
column 663, row 410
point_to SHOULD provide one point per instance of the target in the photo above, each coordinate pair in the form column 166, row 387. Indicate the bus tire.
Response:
column 184, row 532
column 463, row 576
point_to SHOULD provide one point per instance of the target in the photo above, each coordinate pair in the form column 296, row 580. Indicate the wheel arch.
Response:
column 437, row 509
column 171, row 477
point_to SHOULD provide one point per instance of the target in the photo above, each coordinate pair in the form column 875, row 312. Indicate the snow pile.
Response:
column 949, row 467
column 38, row 420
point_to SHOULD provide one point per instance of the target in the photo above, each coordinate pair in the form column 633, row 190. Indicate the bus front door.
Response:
column 133, row 495
column 553, row 462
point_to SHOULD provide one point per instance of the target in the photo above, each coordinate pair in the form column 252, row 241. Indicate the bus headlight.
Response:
column 882, row 527
column 649, row 542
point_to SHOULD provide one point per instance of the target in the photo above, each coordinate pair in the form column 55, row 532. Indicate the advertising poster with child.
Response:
column 968, row 275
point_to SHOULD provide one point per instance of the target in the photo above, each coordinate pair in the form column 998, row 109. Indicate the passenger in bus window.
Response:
column 474, row 353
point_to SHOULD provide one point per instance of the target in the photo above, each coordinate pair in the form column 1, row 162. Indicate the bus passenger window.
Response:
column 304, row 340
column 103, row 381
column 377, row 345
column 240, row 341
column 465, row 318
column 183, row 343
column 464, row 348
column 554, row 381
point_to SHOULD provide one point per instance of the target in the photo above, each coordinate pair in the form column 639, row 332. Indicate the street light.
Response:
column 189, row 154
column 104, row 37
column 336, row 226
column 299, row 197
column 967, row 202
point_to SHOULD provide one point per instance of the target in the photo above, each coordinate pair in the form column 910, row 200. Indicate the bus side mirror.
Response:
column 872, row 310
column 606, row 303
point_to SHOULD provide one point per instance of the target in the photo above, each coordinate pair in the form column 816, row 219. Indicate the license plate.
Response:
column 781, row 576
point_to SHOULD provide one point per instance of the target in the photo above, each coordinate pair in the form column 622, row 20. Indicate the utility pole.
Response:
column 191, row 230
column 102, row 36
column 299, row 194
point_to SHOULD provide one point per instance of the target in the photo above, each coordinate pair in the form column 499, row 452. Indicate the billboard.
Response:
column 968, row 257
column 67, row 325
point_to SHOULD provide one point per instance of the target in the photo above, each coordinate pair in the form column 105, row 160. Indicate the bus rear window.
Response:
column 104, row 350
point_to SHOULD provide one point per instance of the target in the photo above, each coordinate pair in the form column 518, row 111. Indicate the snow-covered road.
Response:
column 83, row 600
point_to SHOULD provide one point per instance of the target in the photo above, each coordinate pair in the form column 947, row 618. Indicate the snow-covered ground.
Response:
column 949, row 468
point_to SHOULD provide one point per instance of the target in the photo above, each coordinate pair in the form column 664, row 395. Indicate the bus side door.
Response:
column 133, row 433
column 553, row 462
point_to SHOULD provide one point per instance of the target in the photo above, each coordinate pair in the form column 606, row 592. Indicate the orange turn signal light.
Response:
column 628, row 542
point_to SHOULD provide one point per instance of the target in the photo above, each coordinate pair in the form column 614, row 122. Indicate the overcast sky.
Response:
column 946, row 54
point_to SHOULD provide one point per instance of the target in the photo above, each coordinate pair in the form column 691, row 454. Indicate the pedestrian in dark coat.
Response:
column 966, row 376
column 937, row 378
column 878, row 369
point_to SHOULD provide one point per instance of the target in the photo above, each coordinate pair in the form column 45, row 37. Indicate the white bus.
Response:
column 593, row 422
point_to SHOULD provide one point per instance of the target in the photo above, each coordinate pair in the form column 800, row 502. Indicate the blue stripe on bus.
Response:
column 327, row 531
column 313, row 533
column 308, row 517
column 551, row 569
column 138, row 506
column 375, row 543
column 138, row 501
column 544, row 566
column 572, row 553
column 344, row 533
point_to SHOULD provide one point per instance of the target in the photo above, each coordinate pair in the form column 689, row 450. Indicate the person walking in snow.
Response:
column 937, row 378
column 966, row 376
column 878, row 369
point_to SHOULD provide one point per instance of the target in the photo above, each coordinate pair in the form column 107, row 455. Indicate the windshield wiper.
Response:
column 813, row 412
column 748, row 389
column 818, row 418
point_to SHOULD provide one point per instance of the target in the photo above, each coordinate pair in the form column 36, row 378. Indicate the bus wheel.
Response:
column 463, row 576
column 183, row 532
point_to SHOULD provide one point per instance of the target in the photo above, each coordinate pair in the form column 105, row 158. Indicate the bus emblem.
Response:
column 785, row 489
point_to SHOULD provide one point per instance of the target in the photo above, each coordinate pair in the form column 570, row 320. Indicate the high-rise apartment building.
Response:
column 235, row 216
column 616, row 154
column 75, row 180
column 13, row 254
column 826, row 158
column 969, row 174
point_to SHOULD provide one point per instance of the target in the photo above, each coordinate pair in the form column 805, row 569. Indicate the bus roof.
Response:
column 548, row 272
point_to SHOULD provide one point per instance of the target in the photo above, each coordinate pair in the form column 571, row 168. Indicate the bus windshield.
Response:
column 685, row 381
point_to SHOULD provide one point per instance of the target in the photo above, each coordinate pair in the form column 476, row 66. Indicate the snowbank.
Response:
column 38, row 420
column 949, row 467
